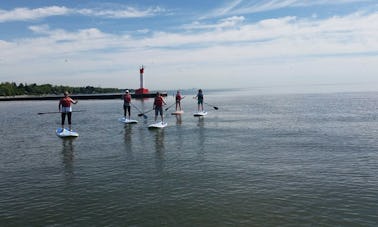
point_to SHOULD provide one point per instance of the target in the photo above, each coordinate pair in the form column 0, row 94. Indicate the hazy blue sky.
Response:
column 186, row 44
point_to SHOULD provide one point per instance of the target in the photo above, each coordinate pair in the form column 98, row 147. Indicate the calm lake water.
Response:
column 259, row 160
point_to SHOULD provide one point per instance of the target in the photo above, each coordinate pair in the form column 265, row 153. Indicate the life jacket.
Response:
column 200, row 96
column 127, row 98
column 66, row 102
column 158, row 101
column 178, row 97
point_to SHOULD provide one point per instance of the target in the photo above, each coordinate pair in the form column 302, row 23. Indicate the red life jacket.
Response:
column 66, row 102
column 178, row 97
column 158, row 101
column 127, row 98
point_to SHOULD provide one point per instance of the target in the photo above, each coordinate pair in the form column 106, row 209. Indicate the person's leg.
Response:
column 161, row 114
column 63, row 116
column 129, row 111
column 124, row 111
column 156, row 113
column 69, row 115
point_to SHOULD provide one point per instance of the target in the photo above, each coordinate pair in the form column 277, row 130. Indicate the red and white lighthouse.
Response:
column 141, row 90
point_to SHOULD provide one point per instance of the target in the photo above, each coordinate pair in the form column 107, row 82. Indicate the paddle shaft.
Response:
column 143, row 114
column 140, row 112
column 55, row 112
column 173, row 104
column 212, row 106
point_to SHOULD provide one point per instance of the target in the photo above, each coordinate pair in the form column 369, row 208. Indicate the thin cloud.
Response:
column 225, row 9
column 128, row 12
column 230, row 22
column 238, row 7
column 26, row 14
column 60, row 34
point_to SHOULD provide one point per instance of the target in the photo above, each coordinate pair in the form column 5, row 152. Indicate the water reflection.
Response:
column 178, row 119
column 128, row 135
column 201, row 134
column 201, row 122
column 143, row 104
column 159, row 148
column 68, row 157
column 179, row 135
column 159, row 141
column 145, row 108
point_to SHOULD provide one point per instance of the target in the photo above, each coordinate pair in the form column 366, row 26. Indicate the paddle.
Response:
column 172, row 104
column 169, row 106
column 54, row 112
column 141, row 114
column 212, row 106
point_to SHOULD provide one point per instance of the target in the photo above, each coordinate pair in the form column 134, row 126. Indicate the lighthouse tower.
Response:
column 141, row 90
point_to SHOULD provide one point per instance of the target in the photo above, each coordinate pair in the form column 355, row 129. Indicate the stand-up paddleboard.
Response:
column 178, row 112
column 200, row 114
column 157, row 125
column 128, row 121
column 63, row 132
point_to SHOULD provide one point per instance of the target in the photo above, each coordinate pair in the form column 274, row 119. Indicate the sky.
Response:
column 211, row 44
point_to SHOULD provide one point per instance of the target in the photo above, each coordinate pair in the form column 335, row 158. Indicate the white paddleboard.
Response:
column 128, row 121
column 200, row 114
column 157, row 125
column 63, row 132
column 178, row 112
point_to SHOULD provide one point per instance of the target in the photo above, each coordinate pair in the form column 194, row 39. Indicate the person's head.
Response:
column 178, row 92
column 65, row 93
column 157, row 93
column 200, row 90
column 126, row 91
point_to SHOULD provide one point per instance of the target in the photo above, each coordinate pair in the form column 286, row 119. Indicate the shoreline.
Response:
column 78, row 96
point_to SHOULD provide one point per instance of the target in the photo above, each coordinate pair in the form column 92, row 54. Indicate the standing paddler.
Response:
column 66, row 109
column 126, row 104
column 158, row 106
column 199, row 97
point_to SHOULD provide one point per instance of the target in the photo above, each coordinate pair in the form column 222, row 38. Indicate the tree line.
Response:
column 13, row 89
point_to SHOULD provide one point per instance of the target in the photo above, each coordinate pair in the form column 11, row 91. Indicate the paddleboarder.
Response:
column 178, row 100
column 199, row 97
column 158, row 106
column 66, row 109
column 126, row 104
